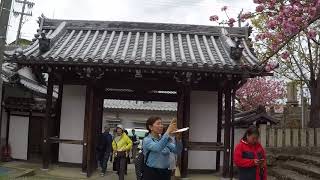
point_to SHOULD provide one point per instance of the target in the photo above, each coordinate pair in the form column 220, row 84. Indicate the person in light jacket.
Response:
column 121, row 145
column 157, row 149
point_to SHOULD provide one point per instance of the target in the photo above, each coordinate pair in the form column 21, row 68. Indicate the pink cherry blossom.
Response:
column 214, row 18
column 285, row 55
column 312, row 34
column 260, row 8
column 269, row 92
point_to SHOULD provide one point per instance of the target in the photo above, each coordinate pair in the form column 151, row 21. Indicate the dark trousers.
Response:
column 103, row 161
column 156, row 174
column 122, row 168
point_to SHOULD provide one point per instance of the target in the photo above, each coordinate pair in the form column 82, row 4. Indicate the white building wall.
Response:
column 72, row 122
column 203, row 127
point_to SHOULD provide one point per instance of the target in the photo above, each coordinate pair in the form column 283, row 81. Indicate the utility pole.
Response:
column 239, row 18
column 22, row 13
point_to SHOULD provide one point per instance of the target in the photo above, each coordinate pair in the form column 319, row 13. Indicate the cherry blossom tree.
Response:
column 260, row 91
column 287, row 31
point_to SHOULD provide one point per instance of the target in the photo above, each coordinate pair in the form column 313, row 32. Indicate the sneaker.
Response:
column 102, row 174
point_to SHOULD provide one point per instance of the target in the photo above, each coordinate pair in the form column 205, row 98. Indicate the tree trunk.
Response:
column 315, row 104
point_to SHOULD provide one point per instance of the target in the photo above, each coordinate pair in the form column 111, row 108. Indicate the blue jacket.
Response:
column 159, row 156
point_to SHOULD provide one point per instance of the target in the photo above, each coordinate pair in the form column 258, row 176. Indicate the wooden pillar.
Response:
column 232, row 130
column 46, row 122
column 180, row 110
column 89, row 130
column 55, row 146
column 185, row 136
column 219, row 127
column 227, row 126
column 8, row 126
column 2, row 111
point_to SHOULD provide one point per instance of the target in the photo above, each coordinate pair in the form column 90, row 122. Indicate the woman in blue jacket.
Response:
column 157, row 149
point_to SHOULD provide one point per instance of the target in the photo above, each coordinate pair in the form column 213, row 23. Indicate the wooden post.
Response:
column 227, row 125
column 185, row 137
column 219, row 127
column 180, row 111
column 232, row 131
column 46, row 144
column 1, row 112
column 88, row 137
column 8, row 126
column 85, row 130
column 55, row 147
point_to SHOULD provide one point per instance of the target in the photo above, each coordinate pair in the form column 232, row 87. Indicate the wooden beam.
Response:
column 219, row 127
column 185, row 137
column 55, row 140
column 46, row 122
column 206, row 146
column 140, row 96
column 227, row 119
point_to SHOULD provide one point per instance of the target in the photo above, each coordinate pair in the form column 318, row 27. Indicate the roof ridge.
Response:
column 141, row 26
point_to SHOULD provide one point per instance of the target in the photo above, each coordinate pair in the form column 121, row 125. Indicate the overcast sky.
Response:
column 165, row 11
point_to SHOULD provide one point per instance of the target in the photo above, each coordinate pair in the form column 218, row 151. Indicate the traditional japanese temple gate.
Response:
column 203, row 64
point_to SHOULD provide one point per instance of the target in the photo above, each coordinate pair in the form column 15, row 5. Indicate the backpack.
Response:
column 140, row 163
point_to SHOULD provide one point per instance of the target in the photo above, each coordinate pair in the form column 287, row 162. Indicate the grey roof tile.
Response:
column 140, row 105
column 152, row 44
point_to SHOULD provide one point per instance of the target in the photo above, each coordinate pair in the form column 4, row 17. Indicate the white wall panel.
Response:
column 18, row 136
column 72, row 122
column 203, row 127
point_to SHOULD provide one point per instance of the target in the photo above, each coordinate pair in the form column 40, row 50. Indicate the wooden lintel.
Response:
column 140, row 96
column 54, row 140
column 206, row 146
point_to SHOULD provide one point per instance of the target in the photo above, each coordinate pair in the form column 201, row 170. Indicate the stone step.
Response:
column 315, row 154
column 285, row 174
column 309, row 159
column 302, row 168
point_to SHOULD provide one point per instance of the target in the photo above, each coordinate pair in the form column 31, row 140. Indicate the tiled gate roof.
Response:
column 176, row 46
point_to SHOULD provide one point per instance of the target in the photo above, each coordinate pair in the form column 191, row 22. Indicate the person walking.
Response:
column 135, row 142
column 250, row 157
column 121, row 145
column 104, row 149
column 157, row 148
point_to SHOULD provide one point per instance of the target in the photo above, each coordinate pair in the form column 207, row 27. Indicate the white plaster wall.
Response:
column 72, row 122
column 203, row 127
column 18, row 137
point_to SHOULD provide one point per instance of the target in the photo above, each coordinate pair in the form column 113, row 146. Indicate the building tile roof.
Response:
column 25, row 77
column 176, row 46
column 255, row 116
column 140, row 105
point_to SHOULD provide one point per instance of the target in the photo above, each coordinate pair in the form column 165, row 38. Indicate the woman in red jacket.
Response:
column 250, row 157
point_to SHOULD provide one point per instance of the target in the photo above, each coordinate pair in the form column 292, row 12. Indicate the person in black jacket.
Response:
column 104, row 149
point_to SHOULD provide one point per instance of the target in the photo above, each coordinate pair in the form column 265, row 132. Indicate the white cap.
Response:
column 120, row 126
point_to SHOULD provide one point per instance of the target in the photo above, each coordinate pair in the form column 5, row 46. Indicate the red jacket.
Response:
column 244, row 156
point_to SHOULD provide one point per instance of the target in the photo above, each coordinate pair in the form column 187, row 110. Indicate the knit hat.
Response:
column 120, row 126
